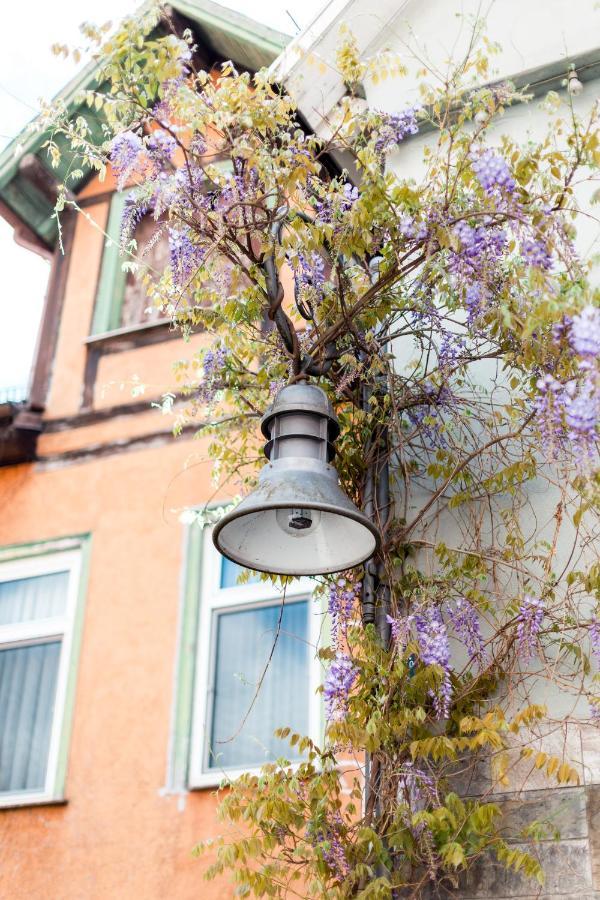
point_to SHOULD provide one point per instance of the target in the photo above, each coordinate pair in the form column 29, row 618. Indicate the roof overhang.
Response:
column 27, row 180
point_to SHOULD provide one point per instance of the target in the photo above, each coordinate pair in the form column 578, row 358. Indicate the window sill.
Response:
column 20, row 801
column 208, row 780
column 215, row 779
column 135, row 333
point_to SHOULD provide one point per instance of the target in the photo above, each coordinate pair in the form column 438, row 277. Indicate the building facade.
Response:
column 128, row 650
column 129, row 654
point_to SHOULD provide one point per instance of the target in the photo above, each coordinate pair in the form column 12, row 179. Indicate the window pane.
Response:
column 230, row 573
column 27, row 694
column 33, row 598
column 243, row 645
column 152, row 255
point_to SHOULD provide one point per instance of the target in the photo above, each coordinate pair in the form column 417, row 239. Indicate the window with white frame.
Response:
column 38, row 598
column 257, row 670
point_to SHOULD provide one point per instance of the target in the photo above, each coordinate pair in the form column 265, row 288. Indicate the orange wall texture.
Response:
column 120, row 834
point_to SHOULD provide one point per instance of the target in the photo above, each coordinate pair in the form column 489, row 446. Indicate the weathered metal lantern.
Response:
column 298, row 521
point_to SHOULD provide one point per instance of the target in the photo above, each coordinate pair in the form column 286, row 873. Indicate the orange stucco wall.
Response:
column 119, row 835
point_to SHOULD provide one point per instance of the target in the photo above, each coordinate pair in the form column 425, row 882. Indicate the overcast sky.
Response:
column 28, row 72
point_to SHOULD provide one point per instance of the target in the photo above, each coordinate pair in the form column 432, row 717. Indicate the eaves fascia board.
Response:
column 215, row 17
column 210, row 15
column 307, row 66
column 31, row 142
column 538, row 81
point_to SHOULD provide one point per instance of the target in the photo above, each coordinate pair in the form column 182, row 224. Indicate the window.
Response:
column 38, row 601
column 256, row 670
column 121, row 299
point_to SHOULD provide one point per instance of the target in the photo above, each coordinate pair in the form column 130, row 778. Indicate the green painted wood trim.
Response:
column 10, row 552
column 185, row 671
column 111, row 284
column 85, row 545
column 213, row 17
column 216, row 18
column 31, row 140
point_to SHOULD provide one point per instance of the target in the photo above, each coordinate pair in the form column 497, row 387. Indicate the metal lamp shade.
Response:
column 298, row 521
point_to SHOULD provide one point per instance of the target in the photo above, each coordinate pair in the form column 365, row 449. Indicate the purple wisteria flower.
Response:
column 184, row 255
column 395, row 128
column 582, row 410
column 452, row 351
column 561, row 330
column 134, row 210
column 536, row 254
column 411, row 229
column 476, row 301
column 569, row 415
column 400, row 628
column 126, row 156
column 465, row 622
column 595, row 638
column 343, row 594
column 275, row 387
column 417, row 788
column 339, row 681
column 160, row 147
column 549, row 409
column 213, row 371
column 349, row 196
column 434, row 649
column 327, row 839
column 529, row 622
column 493, row 173
column 310, row 275
column 481, row 249
column 585, row 332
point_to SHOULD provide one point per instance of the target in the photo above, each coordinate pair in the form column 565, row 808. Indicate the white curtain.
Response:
column 40, row 597
column 28, row 675
column 27, row 695
column 244, row 642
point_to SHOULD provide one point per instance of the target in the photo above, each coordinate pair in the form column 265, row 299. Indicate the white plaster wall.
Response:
column 532, row 33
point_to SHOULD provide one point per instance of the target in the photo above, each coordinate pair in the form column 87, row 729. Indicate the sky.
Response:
column 29, row 72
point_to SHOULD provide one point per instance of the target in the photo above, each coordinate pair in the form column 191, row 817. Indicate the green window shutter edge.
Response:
column 85, row 546
column 185, row 662
column 111, row 284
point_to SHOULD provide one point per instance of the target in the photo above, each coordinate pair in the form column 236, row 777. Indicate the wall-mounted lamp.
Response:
column 298, row 521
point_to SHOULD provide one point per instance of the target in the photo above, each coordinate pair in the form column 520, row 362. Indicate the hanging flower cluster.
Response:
column 310, row 277
column 339, row 681
column 434, row 649
column 529, row 623
column 213, row 371
column 569, row 412
column 493, row 173
column 132, row 156
column 327, row 839
column 394, row 128
column 595, row 638
column 344, row 594
column 465, row 622
column 185, row 255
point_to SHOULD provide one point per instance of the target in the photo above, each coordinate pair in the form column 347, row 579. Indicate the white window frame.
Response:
column 214, row 600
column 37, row 631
